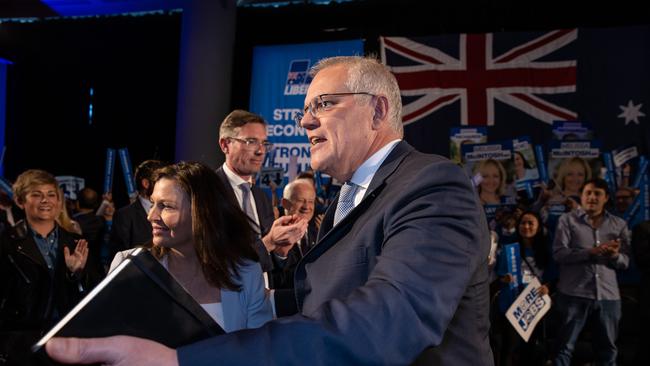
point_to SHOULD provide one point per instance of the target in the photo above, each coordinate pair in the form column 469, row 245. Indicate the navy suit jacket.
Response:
column 264, row 213
column 402, row 279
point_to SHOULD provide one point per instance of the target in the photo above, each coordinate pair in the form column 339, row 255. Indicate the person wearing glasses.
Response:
column 399, row 273
column 242, row 138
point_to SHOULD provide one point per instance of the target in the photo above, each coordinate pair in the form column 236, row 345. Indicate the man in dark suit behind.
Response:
column 130, row 224
column 399, row 272
column 242, row 138
column 298, row 198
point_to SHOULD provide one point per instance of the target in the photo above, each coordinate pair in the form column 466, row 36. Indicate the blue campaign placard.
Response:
column 127, row 170
column 108, row 170
column 280, row 79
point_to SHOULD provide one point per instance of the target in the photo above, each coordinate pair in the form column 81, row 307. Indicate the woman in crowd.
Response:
column 205, row 242
column 43, row 271
column 534, row 258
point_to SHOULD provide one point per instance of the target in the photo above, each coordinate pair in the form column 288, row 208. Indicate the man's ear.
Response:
column 144, row 182
column 286, row 204
column 223, row 144
column 381, row 111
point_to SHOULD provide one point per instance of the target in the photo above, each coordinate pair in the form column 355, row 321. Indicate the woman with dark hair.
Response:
column 205, row 242
column 534, row 256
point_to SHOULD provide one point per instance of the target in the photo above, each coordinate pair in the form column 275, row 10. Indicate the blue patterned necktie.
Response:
column 346, row 201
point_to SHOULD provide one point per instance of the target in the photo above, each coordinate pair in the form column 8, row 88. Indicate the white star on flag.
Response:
column 631, row 112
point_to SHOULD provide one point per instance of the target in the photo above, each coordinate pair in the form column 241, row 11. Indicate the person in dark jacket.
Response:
column 42, row 268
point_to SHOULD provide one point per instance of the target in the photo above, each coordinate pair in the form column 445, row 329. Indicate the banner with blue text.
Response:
column 279, row 84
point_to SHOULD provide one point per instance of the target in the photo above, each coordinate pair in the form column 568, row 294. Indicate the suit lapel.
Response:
column 227, row 186
column 329, row 234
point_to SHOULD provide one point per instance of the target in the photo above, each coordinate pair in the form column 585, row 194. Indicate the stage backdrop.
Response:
column 279, row 83
column 519, row 83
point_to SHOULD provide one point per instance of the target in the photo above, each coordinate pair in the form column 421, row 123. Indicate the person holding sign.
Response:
column 590, row 245
column 533, row 256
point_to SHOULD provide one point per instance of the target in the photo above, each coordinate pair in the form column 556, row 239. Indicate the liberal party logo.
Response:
column 298, row 78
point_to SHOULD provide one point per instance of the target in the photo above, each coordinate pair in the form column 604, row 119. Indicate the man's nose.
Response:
column 309, row 122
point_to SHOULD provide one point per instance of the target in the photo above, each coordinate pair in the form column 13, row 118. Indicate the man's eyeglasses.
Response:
column 320, row 104
column 254, row 143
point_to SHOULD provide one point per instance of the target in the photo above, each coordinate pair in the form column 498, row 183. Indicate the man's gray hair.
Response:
column 367, row 74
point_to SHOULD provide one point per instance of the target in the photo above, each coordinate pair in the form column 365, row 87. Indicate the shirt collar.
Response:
column 364, row 174
column 583, row 215
column 233, row 178
column 53, row 234
column 146, row 203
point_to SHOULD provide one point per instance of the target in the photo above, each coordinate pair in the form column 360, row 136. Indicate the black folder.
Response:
column 139, row 298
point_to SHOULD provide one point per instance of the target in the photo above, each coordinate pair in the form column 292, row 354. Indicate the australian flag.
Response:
column 519, row 83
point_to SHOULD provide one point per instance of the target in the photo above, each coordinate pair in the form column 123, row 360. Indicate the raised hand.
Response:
column 77, row 260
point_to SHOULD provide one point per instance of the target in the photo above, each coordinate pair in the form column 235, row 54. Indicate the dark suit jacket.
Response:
column 402, row 277
column 282, row 274
column 264, row 213
column 130, row 228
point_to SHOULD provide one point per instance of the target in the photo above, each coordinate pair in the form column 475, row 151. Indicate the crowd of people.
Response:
column 397, row 271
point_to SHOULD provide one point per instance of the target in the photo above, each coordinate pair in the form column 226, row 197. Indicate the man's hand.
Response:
column 609, row 249
column 283, row 251
column 286, row 230
column 77, row 260
column 111, row 351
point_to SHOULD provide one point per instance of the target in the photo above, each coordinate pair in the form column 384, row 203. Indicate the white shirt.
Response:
column 215, row 310
column 235, row 181
column 364, row 174
column 146, row 203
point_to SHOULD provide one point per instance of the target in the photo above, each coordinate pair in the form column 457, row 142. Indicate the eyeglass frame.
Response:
column 255, row 143
column 309, row 107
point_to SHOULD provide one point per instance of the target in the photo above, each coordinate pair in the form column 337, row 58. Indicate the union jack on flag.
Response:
column 476, row 70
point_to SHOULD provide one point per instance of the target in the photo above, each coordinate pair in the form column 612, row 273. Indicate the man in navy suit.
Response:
column 399, row 273
column 242, row 138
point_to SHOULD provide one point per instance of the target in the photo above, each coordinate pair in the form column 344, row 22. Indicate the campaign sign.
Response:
column 270, row 175
column 279, row 83
column 70, row 185
column 528, row 309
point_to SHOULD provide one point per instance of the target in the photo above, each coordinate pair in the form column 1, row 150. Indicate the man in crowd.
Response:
column 590, row 245
column 298, row 198
column 242, row 138
column 130, row 225
column 399, row 272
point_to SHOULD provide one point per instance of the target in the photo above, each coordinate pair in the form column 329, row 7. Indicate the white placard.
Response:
column 528, row 309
